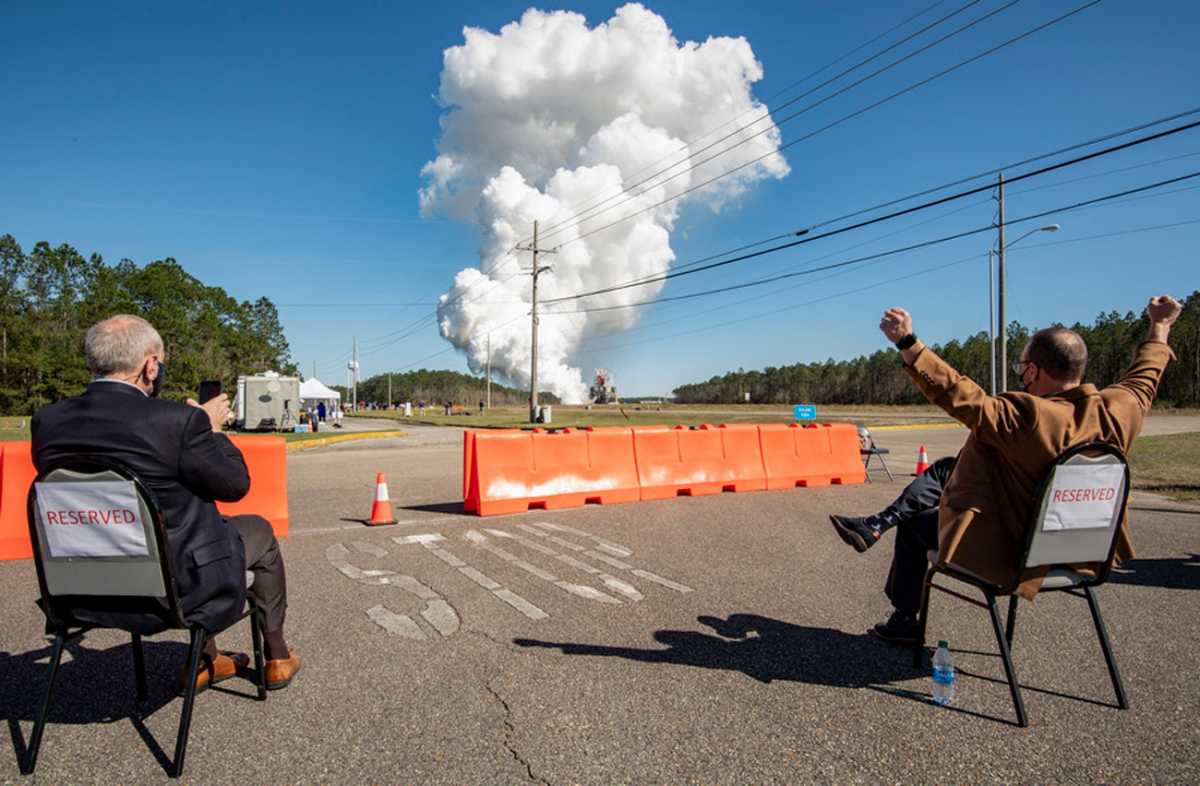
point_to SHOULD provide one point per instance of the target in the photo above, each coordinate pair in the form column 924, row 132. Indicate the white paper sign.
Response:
column 95, row 519
column 1084, row 496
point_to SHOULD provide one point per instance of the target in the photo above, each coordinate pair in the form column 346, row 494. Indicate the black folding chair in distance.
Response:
column 1079, row 514
column 116, row 573
column 868, row 449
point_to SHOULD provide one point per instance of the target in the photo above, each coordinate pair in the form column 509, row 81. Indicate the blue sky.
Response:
column 276, row 149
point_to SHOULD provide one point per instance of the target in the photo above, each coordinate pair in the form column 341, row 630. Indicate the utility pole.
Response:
column 535, row 271
column 991, row 325
column 354, row 377
column 1001, row 324
column 389, row 402
column 489, row 373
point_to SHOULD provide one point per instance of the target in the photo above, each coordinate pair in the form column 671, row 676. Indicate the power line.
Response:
column 1098, row 202
column 808, row 238
column 914, row 246
column 581, row 215
column 924, row 271
column 839, row 121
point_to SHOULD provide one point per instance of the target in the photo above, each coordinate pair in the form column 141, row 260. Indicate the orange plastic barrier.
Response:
column 812, row 455
column 680, row 461
column 16, row 476
column 511, row 471
column 266, row 458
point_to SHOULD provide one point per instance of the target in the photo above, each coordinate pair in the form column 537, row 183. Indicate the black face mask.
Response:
column 157, row 383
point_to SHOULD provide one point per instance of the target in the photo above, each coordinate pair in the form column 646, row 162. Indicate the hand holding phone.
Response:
column 209, row 389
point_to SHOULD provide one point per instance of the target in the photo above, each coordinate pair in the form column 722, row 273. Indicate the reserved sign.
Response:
column 1084, row 496
column 94, row 519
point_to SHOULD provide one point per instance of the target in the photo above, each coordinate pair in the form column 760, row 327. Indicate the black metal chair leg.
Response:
column 39, row 725
column 1006, row 656
column 139, row 668
column 922, row 619
column 885, row 469
column 189, row 698
column 1012, row 620
column 260, row 671
column 1106, row 646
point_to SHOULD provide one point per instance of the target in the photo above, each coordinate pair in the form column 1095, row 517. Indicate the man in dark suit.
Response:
column 179, row 452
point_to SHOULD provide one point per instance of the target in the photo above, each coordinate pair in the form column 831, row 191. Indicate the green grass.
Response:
column 1168, row 464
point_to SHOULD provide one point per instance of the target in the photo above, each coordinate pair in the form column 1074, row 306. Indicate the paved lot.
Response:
column 706, row 640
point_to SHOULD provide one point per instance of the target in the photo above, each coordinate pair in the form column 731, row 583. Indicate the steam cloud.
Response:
column 549, row 116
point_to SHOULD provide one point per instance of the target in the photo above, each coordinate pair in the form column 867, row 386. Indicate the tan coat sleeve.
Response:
column 1129, row 399
column 998, row 421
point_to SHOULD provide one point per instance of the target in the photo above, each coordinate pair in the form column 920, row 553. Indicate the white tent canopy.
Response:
column 315, row 390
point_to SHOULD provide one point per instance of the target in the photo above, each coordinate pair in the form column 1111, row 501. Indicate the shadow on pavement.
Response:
column 92, row 686
column 767, row 649
column 1174, row 573
column 436, row 507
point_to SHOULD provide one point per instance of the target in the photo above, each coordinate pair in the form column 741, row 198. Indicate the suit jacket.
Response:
column 989, row 500
column 173, row 449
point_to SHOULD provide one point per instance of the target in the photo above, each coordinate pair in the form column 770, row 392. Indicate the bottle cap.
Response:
column 944, row 643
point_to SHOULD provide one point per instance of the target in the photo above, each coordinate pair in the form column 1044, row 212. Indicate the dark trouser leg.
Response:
column 923, row 493
column 914, row 537
column 270, row 582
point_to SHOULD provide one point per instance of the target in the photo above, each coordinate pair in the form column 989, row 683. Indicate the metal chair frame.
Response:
column 1004, row 633
column 875, row 450
column 60, row 619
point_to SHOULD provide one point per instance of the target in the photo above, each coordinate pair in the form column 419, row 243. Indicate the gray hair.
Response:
column 119, row 344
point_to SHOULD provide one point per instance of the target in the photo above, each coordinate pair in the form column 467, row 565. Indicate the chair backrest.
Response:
column 1081, row 508
column 99, row 537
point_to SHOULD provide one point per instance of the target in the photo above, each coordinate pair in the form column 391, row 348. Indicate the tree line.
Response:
column 50, row 296
column 437, row 387
column 878, row 378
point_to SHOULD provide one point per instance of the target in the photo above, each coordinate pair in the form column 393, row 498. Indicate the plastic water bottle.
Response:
column 943, row 674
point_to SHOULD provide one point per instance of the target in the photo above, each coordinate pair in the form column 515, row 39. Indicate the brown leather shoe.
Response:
column 281, row 671
column 225, row 665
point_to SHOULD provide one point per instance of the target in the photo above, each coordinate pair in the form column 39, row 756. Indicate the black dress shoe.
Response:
column 898, row 629
column 859, row 533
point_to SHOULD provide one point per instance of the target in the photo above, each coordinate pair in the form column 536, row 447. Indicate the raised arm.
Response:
column 996, row 420
column 210, row 465
column 1141, row 379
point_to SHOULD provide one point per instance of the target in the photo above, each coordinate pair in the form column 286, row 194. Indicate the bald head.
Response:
column 120, row 345
column 1059, row 352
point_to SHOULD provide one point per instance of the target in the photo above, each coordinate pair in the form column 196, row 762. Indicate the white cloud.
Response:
column 548, row 116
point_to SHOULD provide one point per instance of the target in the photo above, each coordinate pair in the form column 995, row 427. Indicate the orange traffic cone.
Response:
column 922, row 462
column 381, row 511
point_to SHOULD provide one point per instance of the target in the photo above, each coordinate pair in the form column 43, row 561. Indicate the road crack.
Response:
column 510, row 731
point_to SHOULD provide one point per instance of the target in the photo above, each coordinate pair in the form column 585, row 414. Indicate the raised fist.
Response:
column 895, row 324
column 1163, row 310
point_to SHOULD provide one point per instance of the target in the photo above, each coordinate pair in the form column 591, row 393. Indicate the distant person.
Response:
column 321, row 411
column 337, row 415
column 482, row 406
column 975, row 509
column 178, row 450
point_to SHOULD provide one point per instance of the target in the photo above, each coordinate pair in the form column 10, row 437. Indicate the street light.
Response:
column 1000, row 304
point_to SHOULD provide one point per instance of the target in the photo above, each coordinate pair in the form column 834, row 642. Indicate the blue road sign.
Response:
column 805, row 411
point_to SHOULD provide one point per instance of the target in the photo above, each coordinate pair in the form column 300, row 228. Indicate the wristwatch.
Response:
column 906, row 342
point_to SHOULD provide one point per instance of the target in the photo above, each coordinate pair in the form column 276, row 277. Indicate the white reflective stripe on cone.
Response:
column 381, row 493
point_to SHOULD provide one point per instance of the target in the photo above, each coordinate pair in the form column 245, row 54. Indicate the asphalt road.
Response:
column 699, row 640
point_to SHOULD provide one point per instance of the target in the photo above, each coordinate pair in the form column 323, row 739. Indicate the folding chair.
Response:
column 118, row 571
column 1082, row 504
column 868, row 448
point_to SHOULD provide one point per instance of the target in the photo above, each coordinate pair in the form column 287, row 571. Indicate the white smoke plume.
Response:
column 549, row 116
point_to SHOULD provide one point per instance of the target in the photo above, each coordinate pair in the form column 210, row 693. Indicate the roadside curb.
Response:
column 916, row 426
column 308, row 444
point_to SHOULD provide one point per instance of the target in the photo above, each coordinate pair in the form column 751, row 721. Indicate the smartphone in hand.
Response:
column 209, row 389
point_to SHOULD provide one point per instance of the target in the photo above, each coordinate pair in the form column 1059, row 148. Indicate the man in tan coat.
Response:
column 975, row 510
